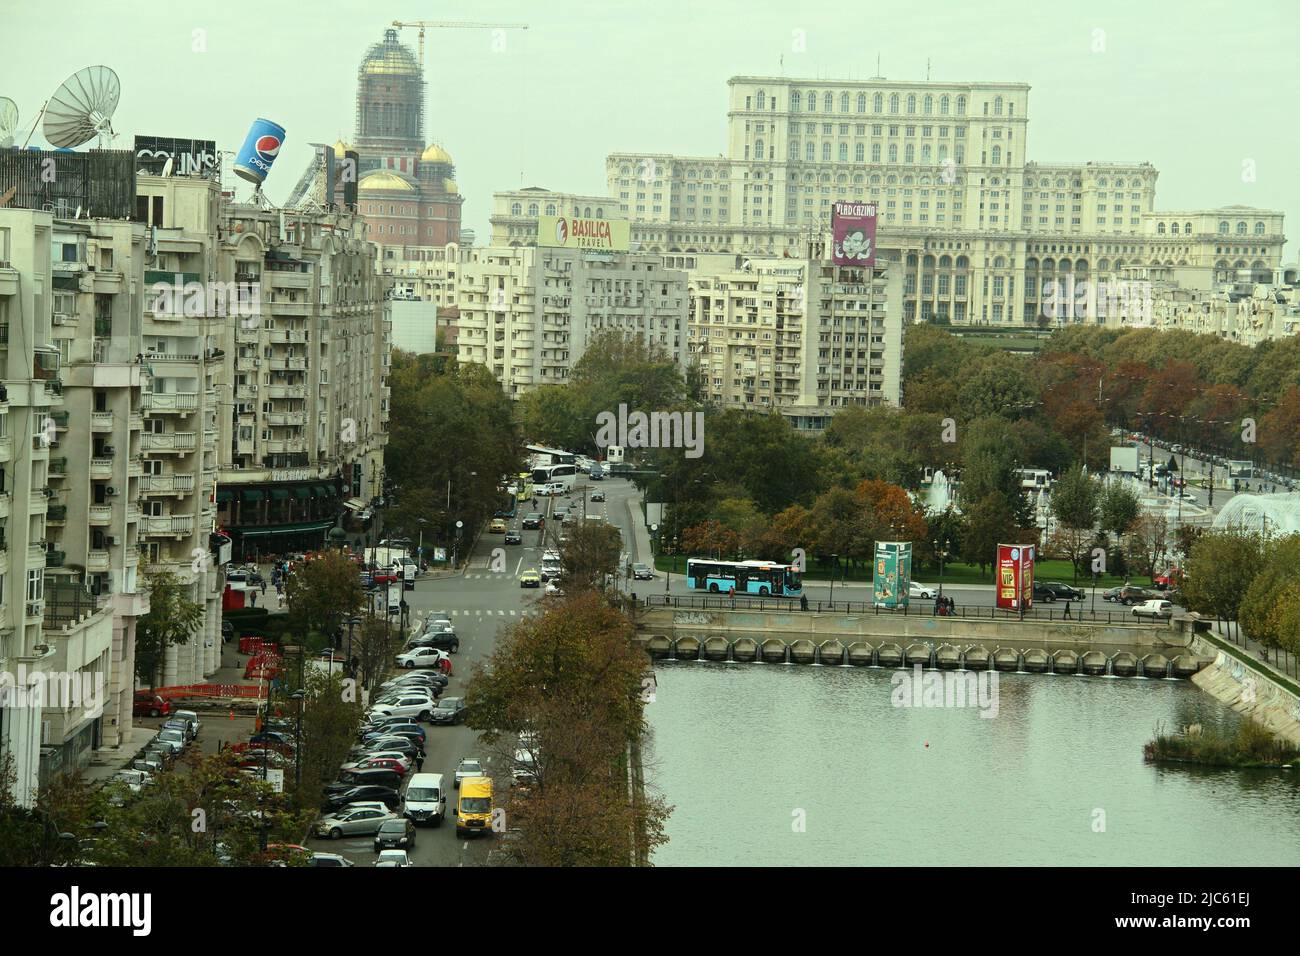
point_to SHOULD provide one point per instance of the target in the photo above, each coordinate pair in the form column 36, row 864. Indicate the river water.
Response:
column 806, row 765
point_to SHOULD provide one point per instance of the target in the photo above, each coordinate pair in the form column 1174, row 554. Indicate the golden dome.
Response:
column 390, row 57
column 449, row 185
column 340, row 148
column 435, row 154
column 381, row 180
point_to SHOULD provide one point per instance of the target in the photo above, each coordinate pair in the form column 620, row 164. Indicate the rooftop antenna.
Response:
column 8, row 121
column 82, row 108
column 927, row 69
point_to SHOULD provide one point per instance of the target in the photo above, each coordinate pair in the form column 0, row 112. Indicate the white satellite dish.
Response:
column 82, row 108
column 167, row 167
column 8, row 121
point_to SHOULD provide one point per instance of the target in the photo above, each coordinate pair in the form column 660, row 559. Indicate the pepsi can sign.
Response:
column 256, row 156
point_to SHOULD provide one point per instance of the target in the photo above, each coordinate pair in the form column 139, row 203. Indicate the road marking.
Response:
column 519, row 565
column 501, row 613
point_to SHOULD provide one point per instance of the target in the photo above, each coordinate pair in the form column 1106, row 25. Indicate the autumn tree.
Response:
column 589, row 557
column 1149, row 543
column 1219, row 571
column 172, row 619
column 324, row 592
column 988, row 523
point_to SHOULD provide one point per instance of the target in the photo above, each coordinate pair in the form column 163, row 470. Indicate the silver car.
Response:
column 362, row 821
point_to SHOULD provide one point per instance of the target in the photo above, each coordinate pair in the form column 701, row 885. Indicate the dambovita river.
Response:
column 795, row 765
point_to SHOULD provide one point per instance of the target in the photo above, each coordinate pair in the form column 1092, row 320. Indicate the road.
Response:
column 480, row 603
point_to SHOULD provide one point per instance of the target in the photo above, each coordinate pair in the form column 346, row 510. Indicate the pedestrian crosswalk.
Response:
column 479, row 612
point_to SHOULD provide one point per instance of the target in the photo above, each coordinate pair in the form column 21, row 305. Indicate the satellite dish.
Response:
column 82, row 107
column 8, row 121
column 167, row 167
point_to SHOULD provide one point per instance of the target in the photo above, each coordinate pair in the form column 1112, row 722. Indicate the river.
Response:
column 784, row 765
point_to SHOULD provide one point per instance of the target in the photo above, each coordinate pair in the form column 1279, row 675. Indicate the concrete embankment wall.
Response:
column 1248, row 692
column 891, row 640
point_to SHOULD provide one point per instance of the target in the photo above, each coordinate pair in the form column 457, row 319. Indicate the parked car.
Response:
column 1154, row 609
column 530, row 579
column 330, row 859
column 534, row 521
column 396, row 834
column 195, row 724
column 175, row 740
column 468, row 767
column 443, row 641
column 173, row 723
column 421, row 657
column 560, row 515
column 388, row 796
column 390, row 859
column 372, row 776
column 498, row 526
column 274, row 739
column 450, row 710
column 361, row 822
column 409, row 705
column 923, row 592
column 1129, row 595
column 412, row 750
column 386, row 760
column 514, row 537
column 642, row 572
column 149, row 704
column 1050, row 591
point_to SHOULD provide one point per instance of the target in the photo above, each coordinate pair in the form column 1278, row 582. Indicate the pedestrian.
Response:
column 1067, row 610
column 952, row 605
column 938, row 603
column 263, row 586
column 252, row 599
column 803, row 602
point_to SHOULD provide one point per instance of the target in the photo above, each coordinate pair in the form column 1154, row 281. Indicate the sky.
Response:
column 1203, row 90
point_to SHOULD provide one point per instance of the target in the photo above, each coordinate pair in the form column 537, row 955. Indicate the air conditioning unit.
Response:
column 59, row 319
column 110, row 491
column 33, row 608
column 109, row 451
column 114, row 539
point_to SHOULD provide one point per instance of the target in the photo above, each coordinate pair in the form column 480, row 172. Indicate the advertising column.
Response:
column 893, row 573
column 1015, row 583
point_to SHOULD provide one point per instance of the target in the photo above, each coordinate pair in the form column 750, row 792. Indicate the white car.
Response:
column 525, row 765
column 1153, row 609
column 923, row 592
column 418, row 706
column 393, row 858
column 554, row 589
column 421, row 657
column 550, row 555
column 361, row 822
column 468, row 767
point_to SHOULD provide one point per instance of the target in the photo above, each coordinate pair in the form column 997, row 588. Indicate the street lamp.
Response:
column 300, row 696
column 455, row 549
column 352, row 622
column 835, row 558
column 942, row 553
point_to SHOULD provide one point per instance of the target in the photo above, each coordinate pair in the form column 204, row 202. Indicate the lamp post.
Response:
column 455, row 548
column 1095, row 576
column 835, row 559
column 352, row 622
column 942, row 553
column 300, row 696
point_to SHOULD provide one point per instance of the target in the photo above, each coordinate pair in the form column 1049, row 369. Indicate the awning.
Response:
column 283, row 529
column 301, row 492
column 354, row 504
column 319, row 491
column 252, row 494
column 225, row 495
column 279, row 494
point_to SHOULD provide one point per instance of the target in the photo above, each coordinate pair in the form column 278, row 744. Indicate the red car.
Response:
column 1170, row 579
column 382, row 763
column 149, row 704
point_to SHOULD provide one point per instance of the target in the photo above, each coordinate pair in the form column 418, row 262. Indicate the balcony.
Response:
column 168, row 484
column 97, row 560
column 171, row 441
column 246, row 393
column 101, row 421
column 152, row 357
column 288, row 364
column 6, row 449
column 56, row 514
column 286, row 418
column 58, row 468
column 156, row 402
column 101, row 468
column 286, row 391
column 60, row 419
column 167, row 525
column 247, row 336
column 131, row 556
column 288, row 336
column 134, row 468
column 101, row 514
column 54, row 559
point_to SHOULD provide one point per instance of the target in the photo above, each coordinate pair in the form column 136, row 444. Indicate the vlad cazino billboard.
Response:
column 853, row 228
column 602, row 235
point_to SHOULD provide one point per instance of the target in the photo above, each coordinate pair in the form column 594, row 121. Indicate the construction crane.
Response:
column 453, row 25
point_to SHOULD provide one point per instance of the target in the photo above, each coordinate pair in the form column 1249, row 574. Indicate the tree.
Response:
column 1265, row 601
column 892, row 515
column 172, row 619
column 839, row 527
column 324, row 592
column 375, row 644
column 1219, row 571
column 988, row 523
column 1117, row 507
column 710, row 539
column 589, row 557
column 1074, row 504
column 1149, row 543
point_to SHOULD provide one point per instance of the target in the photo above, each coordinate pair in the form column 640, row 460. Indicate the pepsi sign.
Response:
column 256, row 156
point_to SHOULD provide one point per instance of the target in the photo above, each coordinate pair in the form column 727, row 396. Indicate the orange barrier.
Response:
column 239, row 691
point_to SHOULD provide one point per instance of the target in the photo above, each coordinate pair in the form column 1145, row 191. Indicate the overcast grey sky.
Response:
column 1197, row 88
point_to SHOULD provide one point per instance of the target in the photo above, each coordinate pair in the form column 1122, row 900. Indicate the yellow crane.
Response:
column 453, row 25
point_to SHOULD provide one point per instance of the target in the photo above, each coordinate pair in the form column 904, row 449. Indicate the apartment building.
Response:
column 802, row 336
column 304, row 385
column 962, row 206
column 527, row 313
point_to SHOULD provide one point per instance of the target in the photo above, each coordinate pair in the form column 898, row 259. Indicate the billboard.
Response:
column 893, row 573
column 600, row 235
column 1015, row 570
column 261, row 146
column 190, row 157
column 853, row 228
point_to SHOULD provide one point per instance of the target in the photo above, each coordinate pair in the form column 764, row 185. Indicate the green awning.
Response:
column 225, row 495
column 319, row 491
column 252, row 494
column 282, row 529
column 280, row 494
column 301, row 492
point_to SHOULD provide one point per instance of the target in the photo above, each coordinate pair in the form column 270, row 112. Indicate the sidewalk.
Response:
column 1280, row 662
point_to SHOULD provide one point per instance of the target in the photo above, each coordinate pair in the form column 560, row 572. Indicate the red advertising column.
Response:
column 1015, row 577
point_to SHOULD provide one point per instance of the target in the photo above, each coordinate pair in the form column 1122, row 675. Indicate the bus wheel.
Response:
column 713, row 588
column 763, row 591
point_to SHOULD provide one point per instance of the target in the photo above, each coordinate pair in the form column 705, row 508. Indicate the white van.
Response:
column 426, row 800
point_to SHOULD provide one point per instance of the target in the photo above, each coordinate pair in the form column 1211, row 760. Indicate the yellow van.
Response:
column 474, row 806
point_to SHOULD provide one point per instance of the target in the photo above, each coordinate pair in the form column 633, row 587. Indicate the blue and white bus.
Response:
column 744, row 577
